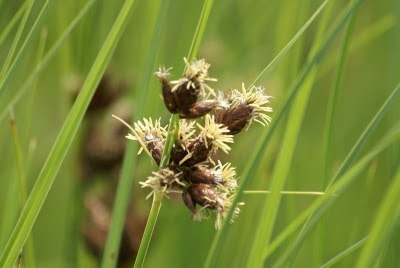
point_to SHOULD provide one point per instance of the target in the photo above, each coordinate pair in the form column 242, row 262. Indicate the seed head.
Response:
column 246, row 106
column 164, row 181
column 211, row 201
column 196, row 77
column 223, row 176
column 169, row 99
column 150, row 136
column 212, row 137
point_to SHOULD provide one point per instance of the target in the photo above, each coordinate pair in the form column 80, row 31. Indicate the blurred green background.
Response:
column 240, row 39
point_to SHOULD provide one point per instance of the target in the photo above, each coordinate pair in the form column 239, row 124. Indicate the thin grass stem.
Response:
column 4, row 34
column 251, row 192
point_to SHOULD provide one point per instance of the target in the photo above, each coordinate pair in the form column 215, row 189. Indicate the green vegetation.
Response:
column 320, row 184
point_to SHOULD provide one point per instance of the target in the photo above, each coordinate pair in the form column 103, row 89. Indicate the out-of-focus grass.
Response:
column 240, row 38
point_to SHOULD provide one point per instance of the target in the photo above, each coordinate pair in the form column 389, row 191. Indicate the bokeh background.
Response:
column 240, row 39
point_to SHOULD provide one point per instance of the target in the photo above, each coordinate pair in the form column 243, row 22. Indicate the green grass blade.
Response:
column 63, row 142
column 7, row 103
column 32, row 96
column 333, row 97
column 321, row 204
column 9, row 70
column 289, row 259
column 110, row 255
column 173, row 130
column 275, row 62
column 17, row 37
column 385, row 221
column 272, row 203
column 4, row 34
column 201, row 26
column 30, row 254
column 344, row 253
column 284, row 192
column 365, row 37
column 282, row 167
column 256, row 157
column 345, row 165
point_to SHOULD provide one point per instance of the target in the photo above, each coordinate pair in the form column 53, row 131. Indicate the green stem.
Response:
column 30, row 254
column 285, row 192
column 173, row 130
column 148, row 231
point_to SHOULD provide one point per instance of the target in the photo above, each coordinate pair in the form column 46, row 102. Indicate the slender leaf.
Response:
column 63, row 142
column 322, row 203
column 275, row 62
column 312, row 219
column 4, row 34
column 281, row 171
column 110, row 255
column 11, row 67
column 255, row 158
column 20, row 161
column 344, row 253
column 384, row 225
column 344, row 166
column 7, row 102
column 17, row 37
column 289, row 259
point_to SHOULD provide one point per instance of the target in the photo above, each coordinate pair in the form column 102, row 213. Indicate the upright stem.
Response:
column 173, row 130
column 148, row 231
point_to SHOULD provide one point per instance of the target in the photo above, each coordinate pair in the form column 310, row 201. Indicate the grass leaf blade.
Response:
column 63, row 142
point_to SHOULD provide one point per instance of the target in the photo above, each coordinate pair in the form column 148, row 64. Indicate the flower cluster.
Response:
column 207, row 187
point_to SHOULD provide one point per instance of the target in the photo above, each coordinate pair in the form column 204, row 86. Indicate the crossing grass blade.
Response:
column 275, row 62
column 290, row 253
column 322, row 203
column 288, row 259
column 384, row 225
column 344, row 253
column 123, row 194
column 333, row 97
column 17, row 38
column 53, row 163
column 4, row 34
column 255, row 158
column 272, row 203
column 7, row 101
column 364, row 38
column 20, row 161
column 10, row 66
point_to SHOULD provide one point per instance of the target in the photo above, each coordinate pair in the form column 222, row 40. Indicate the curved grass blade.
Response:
column 201, row 26
column 30, row 254
column 333, row 97
column 110, row 255
column 385, row 221
column 17, row 37
column 367, row 35
column 344, row 166
column 254, row 159
column 4, row 34
column 9, row 70
column 272, row 203
column 285, row 192
column 173, row 130
column 63, row 142
column 275, row 62
column 287, row 258
column 344, row 253
column 322, row 203
column 7, row 103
